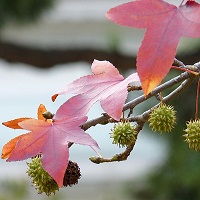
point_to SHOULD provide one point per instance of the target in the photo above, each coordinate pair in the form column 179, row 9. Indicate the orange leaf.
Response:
column 41, row 110
column 54, row 97
column 14, row 123
column 8, row 148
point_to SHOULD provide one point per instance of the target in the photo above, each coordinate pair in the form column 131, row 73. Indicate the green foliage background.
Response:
column 22, row 10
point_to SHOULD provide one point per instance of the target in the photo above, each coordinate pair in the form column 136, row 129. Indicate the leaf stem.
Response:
column 185, row 79
column 96, row 152
column 186, row 70
column 182, row 2
column 197, row 101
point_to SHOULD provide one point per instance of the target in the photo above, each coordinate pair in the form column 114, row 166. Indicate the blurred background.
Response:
column 46, row 44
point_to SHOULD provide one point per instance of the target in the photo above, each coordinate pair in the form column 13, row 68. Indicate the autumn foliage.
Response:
column 52, row 137
column 165, row 24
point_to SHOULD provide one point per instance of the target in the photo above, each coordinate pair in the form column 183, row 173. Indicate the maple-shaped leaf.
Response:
column 8, row 147
column 165, row 24
column 50, row 139
column 105, row 84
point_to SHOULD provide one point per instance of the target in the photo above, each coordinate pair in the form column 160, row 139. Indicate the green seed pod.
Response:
column 162, row 119
column 72, row 174
column 192, row 136
column 123, row 134
column 40, row 178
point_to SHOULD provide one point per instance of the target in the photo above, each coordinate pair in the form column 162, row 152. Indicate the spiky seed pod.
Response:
column 40, row 178
column 192, row 136
column 123, row 134
column 162, row 119
column 72, row 174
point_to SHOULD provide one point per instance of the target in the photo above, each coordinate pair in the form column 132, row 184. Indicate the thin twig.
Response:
column 194, row 69
column 121, row 156
column 130, row 105
column 174, row 94
column 186, row 70
column 197, row 101
column 185, row 79
column 157, row 90
column 178, row 63
column 134, row 88
column 182, row 2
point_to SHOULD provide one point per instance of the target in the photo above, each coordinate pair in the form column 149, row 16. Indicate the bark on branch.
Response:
column 184, row 80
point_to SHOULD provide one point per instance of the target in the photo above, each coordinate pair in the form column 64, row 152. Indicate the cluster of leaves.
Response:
column 51, row 136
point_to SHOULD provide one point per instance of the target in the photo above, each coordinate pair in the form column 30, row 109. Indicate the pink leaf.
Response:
column 51, row 140
column 105, row 84
column 165, row 24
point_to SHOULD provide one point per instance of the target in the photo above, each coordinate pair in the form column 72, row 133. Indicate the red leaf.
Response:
column 165, row 24
column 105, row 84
column 51, row 140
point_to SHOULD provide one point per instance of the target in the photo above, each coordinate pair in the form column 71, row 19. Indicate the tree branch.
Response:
column 184, row 78
column 122, row 156
column 130, row 105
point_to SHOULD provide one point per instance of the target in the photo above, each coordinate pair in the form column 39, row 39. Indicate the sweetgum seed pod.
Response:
column 192, row 136
column 162, row 119
column 43, row 182
column 123, row 134
column 72, row 174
